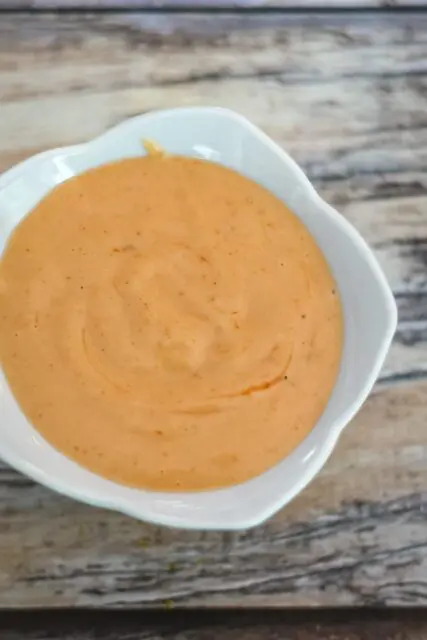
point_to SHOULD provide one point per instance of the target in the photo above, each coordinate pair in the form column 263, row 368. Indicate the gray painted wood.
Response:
column 211, row 4
column 347, row 96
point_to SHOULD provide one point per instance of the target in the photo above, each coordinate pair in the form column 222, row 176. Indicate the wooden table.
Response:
column 346, row 94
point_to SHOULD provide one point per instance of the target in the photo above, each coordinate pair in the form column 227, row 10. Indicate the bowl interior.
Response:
column 369, row 311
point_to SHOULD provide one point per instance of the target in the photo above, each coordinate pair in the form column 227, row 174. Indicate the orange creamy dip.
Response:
column 168, row 323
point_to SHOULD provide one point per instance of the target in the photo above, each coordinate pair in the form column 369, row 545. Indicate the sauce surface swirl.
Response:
column 168, row 323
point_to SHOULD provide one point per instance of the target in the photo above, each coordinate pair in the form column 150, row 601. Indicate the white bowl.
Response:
column 369, row 314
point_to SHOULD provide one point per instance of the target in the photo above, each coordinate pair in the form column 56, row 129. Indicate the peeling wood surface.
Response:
column 347, row 96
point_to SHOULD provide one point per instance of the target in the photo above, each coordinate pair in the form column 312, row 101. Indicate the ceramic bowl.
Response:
column 369, row 316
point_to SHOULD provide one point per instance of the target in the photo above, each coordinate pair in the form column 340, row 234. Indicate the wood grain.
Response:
column 347, row 96
column 243, row 5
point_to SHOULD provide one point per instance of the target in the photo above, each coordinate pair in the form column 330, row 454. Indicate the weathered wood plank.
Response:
column 348, row 99
column 210, row 4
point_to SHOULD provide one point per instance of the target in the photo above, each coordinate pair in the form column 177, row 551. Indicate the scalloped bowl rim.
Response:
column 326, row 446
